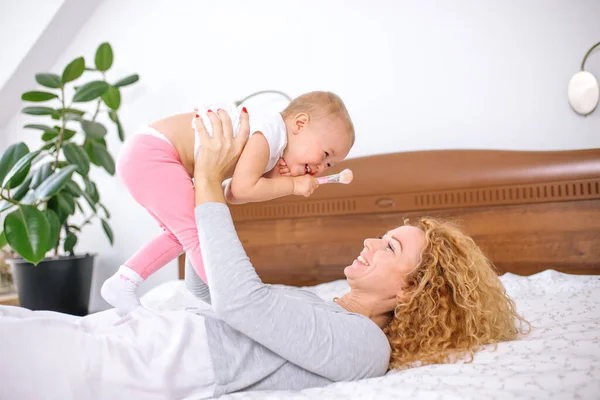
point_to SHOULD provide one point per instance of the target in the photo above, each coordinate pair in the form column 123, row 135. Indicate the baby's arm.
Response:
column 248, row 183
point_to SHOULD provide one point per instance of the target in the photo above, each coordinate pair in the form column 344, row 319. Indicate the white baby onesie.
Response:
column 271, row 125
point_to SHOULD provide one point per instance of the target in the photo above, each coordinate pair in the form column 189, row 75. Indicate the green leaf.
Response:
column 73, row 188
column 77, row 156
column 38, row 96
column 3, row 241
column 88, row 145
column 51, row 81
column 39, row 110
column 41, row 174
column 112, row 97
column 90, row 91
column 22, row 190
column 79, row 207
column 90, row 187
column 19, row 171
column 104, row 158
column 49, row 145
column 54, row 183
column 104, row 57
column 89, row 200
column 67, row 134
column 48, row 136
column 70, row 242
column 128, row 80
column 66, row 203
column 93, row 129
column 44, row 128
column 5, row 205
column 108, row 231
column 27, row 232
column 10, row 157
column 54, row 228
column 52, row 134
column 73, row 227
column 69, row 113
column 105, row 210
column 115, row 118
column 74, row 70
column 60, row 214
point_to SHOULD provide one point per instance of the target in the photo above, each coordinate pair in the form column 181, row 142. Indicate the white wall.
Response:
column 414, row 75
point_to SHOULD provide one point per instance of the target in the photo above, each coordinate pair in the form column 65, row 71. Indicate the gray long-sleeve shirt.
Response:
column 267, row 338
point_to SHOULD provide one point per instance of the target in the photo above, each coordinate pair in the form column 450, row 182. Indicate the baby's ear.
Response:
column 300, row 122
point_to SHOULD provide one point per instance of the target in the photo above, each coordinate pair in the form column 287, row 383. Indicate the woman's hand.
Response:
column 218, row 156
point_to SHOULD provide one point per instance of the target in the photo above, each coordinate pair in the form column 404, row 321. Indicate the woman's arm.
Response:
column 195, row 284
column 336, row 345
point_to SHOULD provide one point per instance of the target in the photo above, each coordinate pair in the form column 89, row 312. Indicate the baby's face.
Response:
column 316, row 147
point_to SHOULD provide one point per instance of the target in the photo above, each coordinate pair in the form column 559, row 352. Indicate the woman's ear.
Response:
column 300, row 122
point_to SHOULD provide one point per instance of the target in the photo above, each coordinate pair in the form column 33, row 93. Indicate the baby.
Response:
column 283, row 155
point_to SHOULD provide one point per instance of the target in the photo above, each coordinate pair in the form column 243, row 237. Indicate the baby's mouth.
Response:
column 307, row 169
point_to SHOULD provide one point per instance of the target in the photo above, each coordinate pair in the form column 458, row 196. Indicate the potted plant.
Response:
column 47, row 195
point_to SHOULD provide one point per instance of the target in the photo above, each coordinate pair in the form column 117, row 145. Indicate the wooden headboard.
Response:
column 529, row 211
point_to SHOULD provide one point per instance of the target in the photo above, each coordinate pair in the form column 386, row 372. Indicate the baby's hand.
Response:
column 304, row 185
column 284, row 170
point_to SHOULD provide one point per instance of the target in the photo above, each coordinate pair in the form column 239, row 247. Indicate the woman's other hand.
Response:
column 218, row 155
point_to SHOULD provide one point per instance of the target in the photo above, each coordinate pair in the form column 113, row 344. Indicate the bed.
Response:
column 536, row 215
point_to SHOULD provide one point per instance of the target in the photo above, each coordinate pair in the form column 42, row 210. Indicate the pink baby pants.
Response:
column 152, row 171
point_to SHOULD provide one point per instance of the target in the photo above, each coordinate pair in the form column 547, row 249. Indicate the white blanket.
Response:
column 146, row 355
column 559, row 359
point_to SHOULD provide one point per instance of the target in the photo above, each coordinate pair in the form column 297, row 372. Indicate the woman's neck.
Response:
column 377, row 309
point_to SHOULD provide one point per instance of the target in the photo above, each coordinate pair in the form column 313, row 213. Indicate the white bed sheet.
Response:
column 559, row 359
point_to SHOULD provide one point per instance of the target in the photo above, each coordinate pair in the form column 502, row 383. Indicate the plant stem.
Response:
column 61, row 134
column 97, row 109
column 87, row 221
column 8, row 199
column 99, row 100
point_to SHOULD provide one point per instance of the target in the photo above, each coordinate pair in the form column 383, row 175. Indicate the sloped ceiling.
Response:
column 33, row 34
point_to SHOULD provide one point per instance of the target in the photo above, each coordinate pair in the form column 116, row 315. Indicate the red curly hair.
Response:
column 453, row 304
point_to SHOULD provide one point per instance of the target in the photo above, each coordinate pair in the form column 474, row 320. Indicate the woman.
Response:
column 422, row 293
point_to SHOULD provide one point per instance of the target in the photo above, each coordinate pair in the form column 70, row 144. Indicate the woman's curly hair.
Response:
column 453, row 303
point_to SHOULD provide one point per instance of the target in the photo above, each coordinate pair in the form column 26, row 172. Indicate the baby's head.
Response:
column 320, row 132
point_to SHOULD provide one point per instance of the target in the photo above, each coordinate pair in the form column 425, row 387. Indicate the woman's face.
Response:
column 384, row 263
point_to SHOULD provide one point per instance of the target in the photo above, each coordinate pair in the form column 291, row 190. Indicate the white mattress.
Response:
column 559, row 359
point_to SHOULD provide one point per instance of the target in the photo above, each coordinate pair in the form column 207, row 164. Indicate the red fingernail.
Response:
column 197, row 116
column 244, row 110
column 210, row 110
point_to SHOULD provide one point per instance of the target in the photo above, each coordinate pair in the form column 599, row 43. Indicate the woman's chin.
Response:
column 355, row 270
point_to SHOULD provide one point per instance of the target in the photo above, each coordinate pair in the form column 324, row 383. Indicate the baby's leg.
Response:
column 155, row 177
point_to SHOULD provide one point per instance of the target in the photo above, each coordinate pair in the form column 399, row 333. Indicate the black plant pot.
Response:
column 56, row 284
